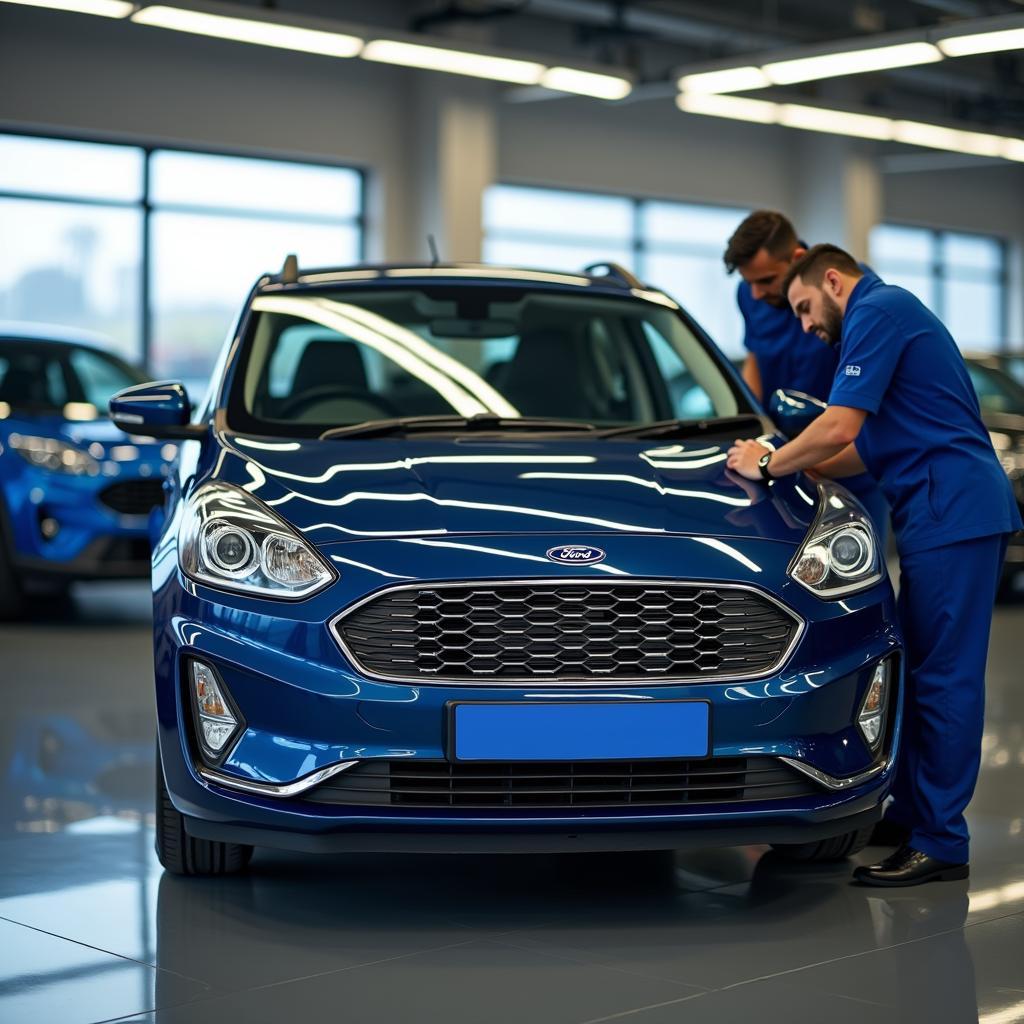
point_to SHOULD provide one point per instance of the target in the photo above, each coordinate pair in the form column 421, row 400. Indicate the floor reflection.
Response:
column 93, row 930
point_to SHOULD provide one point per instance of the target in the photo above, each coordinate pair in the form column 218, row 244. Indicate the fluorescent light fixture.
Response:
column 586, row 83
column 456, row 62
column 249, row 30
column 851, row 62
column 935, row 136
column 1013, row 149
column 845, row 122
column 836, row 122
column 103, row 8
column 983, row 42
column 725, row 80
column 736, row 107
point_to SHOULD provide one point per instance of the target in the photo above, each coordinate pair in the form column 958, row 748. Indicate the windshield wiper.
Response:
column 483, row 421
column 686, row 428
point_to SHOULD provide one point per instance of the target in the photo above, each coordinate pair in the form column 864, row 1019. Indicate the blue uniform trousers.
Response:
column 945, row 609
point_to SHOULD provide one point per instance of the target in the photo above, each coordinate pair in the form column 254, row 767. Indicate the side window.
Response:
column 689, row 399
column 98, row 379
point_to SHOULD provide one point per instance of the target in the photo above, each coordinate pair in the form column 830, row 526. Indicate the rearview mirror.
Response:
column 794, row 411
column 160, row 409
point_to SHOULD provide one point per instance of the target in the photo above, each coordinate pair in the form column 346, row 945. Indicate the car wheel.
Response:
column 836, row 848
column 182, row 854
column 11, row 595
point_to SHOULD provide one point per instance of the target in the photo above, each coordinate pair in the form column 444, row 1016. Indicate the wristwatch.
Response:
column 762, row 464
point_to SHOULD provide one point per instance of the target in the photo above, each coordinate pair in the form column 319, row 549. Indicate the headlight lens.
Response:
column 57, row 456
column 840, row 555
column 231, row 540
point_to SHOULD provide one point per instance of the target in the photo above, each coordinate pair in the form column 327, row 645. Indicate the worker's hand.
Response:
column 744, row 456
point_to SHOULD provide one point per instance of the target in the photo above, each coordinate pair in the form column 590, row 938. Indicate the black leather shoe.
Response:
column 889, row 833
column 909, row 867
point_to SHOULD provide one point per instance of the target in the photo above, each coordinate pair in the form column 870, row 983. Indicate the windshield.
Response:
column 69, row 380
column 997, row 391
column 319, row 361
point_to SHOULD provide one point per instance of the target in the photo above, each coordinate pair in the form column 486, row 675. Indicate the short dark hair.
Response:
column 811, row 267
column 763, row 229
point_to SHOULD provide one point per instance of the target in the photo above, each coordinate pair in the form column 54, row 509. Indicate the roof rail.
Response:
column 616, row 271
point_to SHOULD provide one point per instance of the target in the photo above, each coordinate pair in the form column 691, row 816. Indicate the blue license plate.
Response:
column 608, row 731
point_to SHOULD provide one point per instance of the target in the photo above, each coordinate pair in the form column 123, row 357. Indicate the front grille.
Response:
column 133, row 497
column 668, row 783
column 562, row 632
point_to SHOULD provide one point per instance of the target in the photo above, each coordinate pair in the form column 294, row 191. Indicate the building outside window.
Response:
column 673, row 246
column 156, row 249
column 961, row 277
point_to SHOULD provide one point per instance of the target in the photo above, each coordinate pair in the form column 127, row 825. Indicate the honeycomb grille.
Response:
column 536, row 631
column 133, row 497
column 668, row 783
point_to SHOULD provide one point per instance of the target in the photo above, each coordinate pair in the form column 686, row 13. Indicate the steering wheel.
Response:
column 299, row 403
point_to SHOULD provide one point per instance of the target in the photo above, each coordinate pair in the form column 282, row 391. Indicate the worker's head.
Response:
column 762, row 249
column 817, row 287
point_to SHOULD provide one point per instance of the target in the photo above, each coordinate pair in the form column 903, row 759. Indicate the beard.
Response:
column 777, row 301
column 831, row 320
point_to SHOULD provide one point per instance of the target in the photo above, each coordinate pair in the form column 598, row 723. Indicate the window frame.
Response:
column 147, row 207
column 940, row 272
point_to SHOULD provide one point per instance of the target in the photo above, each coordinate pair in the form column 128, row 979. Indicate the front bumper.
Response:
column 307, row 709
column 92, row 539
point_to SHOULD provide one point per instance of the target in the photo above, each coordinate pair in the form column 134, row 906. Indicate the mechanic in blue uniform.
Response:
column 780, row 353
column 902, row 406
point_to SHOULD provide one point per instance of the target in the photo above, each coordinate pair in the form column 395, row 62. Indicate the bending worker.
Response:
column 902, row 406
column 780, row 353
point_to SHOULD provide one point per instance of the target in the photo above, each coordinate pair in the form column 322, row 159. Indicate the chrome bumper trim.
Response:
column 286, row 789
column 830, row 781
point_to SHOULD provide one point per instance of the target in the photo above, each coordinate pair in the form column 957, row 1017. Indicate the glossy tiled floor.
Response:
column 90, row 929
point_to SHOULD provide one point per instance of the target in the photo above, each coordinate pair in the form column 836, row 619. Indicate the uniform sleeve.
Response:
column 742, row 300
column 872, row 346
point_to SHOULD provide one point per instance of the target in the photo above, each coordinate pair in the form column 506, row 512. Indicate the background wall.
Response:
column 73, row 75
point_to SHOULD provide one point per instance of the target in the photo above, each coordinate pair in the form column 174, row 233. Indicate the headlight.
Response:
column 58, row 456
column 231, row 540
column 840, row 554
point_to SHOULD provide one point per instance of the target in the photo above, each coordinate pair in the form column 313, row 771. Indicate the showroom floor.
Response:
column 92, row 931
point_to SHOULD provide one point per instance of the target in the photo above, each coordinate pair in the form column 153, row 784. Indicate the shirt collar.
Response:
column 860, row 289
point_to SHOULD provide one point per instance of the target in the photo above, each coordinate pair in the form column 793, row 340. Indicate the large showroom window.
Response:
column 674, row 246
column 156, row 249
column 960, row 277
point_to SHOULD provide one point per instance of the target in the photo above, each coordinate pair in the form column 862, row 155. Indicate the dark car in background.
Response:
column 75, row 493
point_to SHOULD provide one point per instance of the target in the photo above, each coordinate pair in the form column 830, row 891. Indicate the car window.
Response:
column 322, row 360
column 996, row 391
column 99, row 378
column 32, row 377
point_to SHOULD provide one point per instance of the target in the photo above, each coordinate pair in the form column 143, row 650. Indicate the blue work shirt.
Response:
column 923, row 439
column 787, row 356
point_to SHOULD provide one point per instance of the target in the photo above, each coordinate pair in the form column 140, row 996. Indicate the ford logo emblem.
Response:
column 576, row 554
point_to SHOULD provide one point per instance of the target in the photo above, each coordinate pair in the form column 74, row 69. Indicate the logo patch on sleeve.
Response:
column 852, row 370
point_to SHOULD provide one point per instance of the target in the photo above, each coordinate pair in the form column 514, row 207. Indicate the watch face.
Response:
column 765, row 459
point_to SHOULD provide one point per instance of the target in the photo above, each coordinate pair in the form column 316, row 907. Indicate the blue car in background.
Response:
column 452, row 560
column 75, row 494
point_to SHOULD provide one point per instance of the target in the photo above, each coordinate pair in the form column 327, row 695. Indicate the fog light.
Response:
column 49, row 527
column 217, row 719
column 871, row 717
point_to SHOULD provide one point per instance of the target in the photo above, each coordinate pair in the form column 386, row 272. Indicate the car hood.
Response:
column 358, row 489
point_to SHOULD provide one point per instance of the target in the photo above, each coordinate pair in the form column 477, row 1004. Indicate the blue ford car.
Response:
column 452, row 561
column 75, row 494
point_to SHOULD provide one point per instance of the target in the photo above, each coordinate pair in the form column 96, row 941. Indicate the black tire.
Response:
column 12, row 598
column 182, row 854
column 825, row 850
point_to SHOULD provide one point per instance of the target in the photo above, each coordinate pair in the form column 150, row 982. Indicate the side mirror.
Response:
column 794, row 411
column 160, row 409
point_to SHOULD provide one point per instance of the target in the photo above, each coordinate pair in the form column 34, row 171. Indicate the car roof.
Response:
column 609, row 278
column 54, row 334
